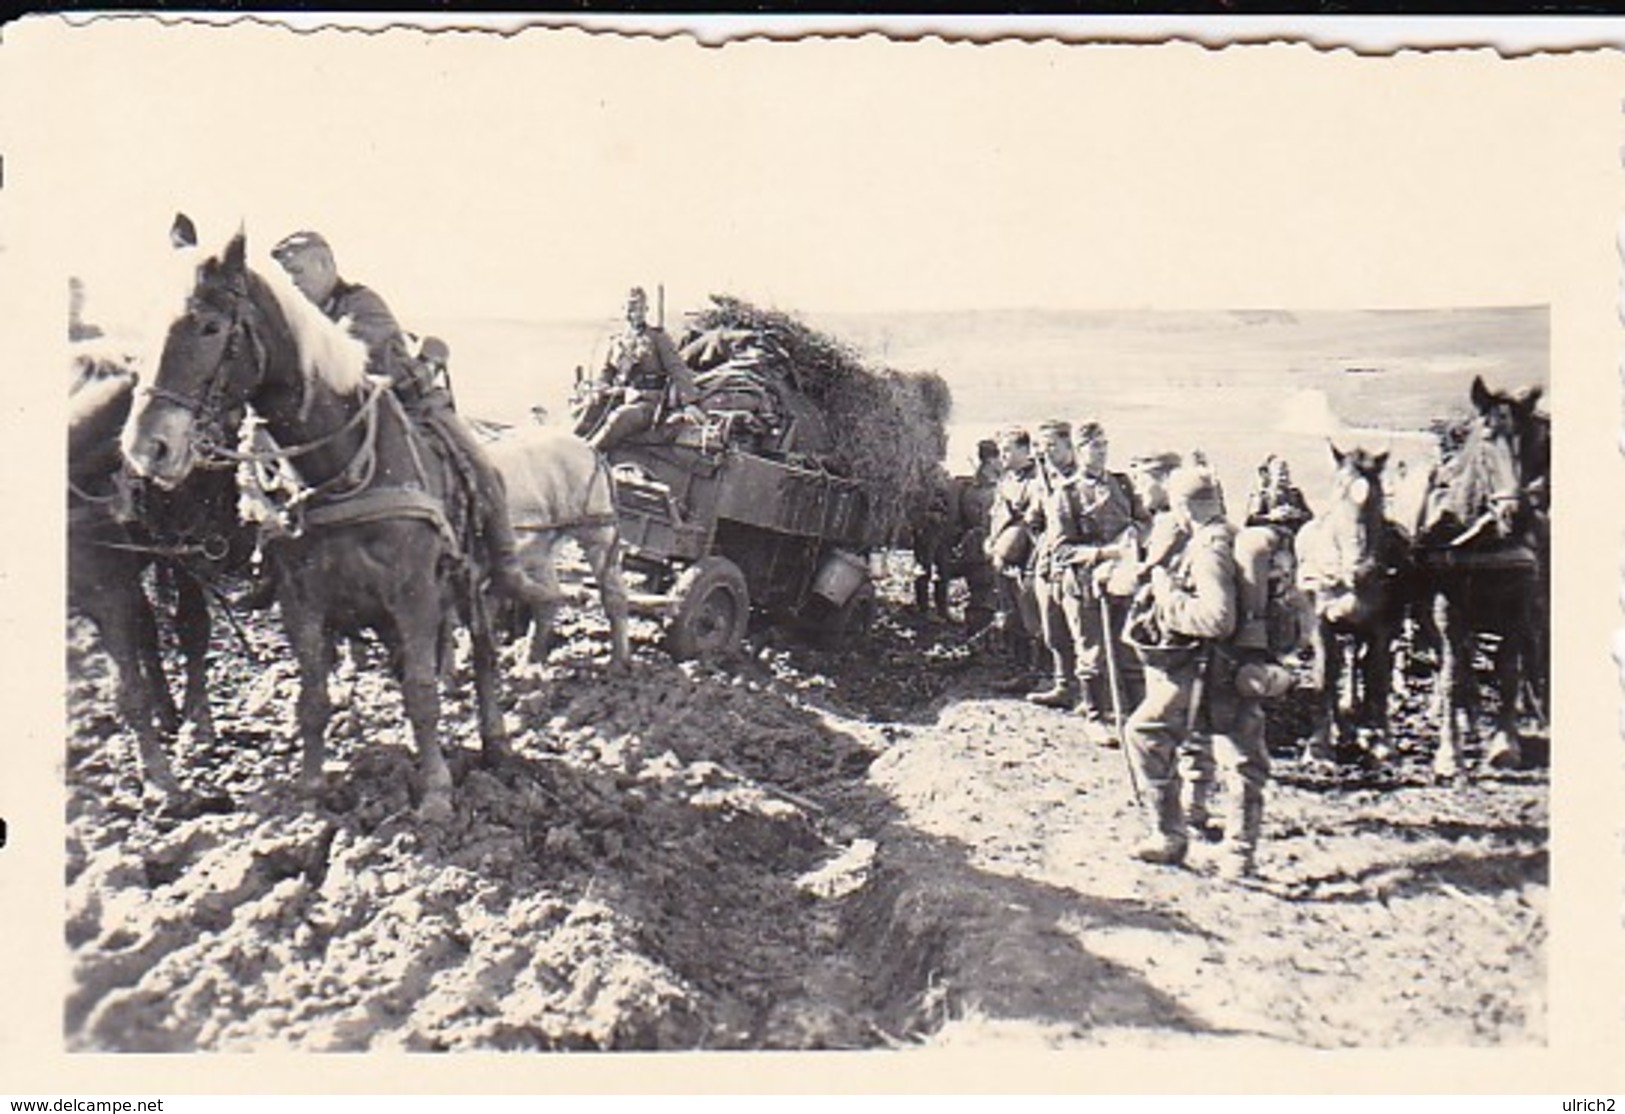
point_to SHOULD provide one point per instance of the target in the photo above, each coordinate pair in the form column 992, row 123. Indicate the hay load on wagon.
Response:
column 883, row 427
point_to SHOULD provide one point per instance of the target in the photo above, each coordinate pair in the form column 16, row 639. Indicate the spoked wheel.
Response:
column 711, row 607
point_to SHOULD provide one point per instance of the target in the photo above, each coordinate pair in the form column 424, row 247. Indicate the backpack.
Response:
column 1274, row 614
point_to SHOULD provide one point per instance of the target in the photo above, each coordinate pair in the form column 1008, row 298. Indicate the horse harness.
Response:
column 348, row 497
column 600, row 470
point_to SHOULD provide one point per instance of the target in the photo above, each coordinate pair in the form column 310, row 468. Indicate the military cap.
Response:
column 1088, row 431
column 299, row 242
column 1013, row 435
column 434, row 350
column 1057, row 426
column 1190, row 485
column 1156, row 463
column 987, row 449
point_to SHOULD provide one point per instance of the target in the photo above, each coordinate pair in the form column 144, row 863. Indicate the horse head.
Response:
column 1355, row 517
column 1496, row 479
column 213, row 362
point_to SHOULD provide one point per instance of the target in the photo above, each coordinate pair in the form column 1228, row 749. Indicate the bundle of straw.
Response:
column 888, row 427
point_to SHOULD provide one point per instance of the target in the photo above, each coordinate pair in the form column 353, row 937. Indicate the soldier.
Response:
column 1275, row 500
column 1083, row 518
column 1161, row 532
column 643, row 379
column 309, row 262
column 1010, row 548
column 971, row 561
column 1119, row 515
column 1187, row 608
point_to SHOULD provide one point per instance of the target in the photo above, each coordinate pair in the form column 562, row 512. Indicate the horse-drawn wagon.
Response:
column 717, row 531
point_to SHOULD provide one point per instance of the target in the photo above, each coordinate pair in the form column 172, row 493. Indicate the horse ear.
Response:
column 1480, row 394
column 1527, row 402
column 1380, row 461
column 182, row 233
column 235, row 259
column 1337, row 454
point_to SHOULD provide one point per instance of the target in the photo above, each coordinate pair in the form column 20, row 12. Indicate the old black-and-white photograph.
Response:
column 592, row 543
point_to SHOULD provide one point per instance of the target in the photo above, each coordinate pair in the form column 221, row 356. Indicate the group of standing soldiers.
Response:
column 1124, row 589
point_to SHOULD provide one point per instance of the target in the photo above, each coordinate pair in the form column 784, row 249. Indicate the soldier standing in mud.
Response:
column 1010, row 549
column 976, row 498
column 1082, row 518
column 1115, row 576
column 1196, row 659
column 1161, row 532
column 643, row 379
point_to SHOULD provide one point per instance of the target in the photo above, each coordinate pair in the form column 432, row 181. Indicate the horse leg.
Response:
column 1505, row 751
column 130, row 636
column 1324, row 680
column 315, row 653
column 193, row 626
column 1378, row 680
column 603, row 547
column 148, row 660
column 541, row 565
column 420, row 692
column 1452, row 649
column 483, row 638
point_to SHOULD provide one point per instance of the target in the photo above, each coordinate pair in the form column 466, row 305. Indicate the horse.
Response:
column 559, row 487
column 382, row 535
column 1353, row 563
column 117, row 530
column 1482, row 549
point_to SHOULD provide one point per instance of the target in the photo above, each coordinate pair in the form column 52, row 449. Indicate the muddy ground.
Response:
column 806, row 849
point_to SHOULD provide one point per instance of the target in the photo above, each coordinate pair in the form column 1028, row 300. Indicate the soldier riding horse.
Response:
column 382, row 538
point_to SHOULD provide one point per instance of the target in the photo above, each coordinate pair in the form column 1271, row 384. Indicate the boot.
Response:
column 1167, row 843
column 1094, row 712
column 1239, row 855
column 922, row 594
column 507, row 574
column 939, row 600
column 1199, row 817
column 1059, row 695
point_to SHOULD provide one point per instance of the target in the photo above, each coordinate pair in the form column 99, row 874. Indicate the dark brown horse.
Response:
column 118, row 530
column 1354, row 564
column 380, row 538
column 1482, row 551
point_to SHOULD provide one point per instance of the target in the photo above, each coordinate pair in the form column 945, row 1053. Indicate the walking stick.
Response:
column 1117, row 695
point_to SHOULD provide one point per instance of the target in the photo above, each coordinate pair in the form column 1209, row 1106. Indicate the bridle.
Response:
column 212, row 408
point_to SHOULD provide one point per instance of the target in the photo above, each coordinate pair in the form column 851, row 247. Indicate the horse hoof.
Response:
column 1445, row 772
column 436, row 808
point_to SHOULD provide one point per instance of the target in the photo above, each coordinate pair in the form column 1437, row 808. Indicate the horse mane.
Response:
column 97, row 413
column 1463, row 485
column 328, row 352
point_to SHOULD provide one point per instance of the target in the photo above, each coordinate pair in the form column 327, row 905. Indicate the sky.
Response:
column 536, row 178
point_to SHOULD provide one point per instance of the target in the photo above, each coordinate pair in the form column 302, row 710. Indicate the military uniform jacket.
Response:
column 369, row 320
column 646, row 361
column 1014, row 497
column 1201, row 600
column 1082, row 515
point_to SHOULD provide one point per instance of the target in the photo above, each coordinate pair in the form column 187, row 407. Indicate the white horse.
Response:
column 559, row 487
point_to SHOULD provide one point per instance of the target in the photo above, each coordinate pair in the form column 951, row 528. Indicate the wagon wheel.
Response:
column 711, row 608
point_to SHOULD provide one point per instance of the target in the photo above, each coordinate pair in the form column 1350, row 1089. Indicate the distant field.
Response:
column 1237, row 384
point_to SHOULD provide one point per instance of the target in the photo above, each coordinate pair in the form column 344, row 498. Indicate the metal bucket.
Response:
column 841, row 575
